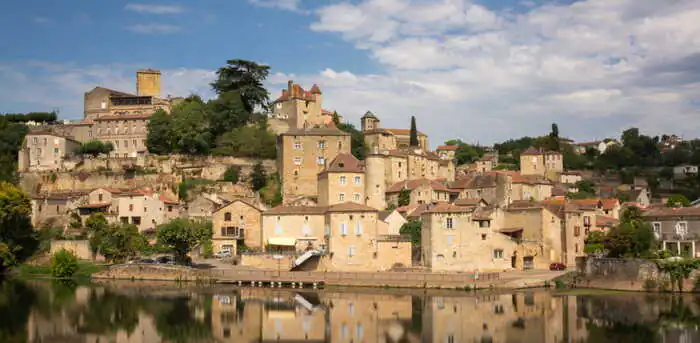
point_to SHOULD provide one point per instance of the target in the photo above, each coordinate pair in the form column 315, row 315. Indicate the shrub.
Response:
column 232, row 174
column 650, row 285
column 64, row 264
column 559, row 284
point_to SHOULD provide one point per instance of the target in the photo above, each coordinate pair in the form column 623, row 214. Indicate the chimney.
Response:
column 290, row 86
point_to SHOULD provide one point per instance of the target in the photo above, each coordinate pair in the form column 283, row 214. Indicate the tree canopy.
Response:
column 413, row 133
column 95, row 148
column 17, row 239
column 247, row 78
column 180, row 236
column 465, row 153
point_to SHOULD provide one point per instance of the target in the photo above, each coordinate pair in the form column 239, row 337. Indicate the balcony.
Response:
column 233, row 232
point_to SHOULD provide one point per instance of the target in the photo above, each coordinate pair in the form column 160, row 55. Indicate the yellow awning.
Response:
column 285, row 241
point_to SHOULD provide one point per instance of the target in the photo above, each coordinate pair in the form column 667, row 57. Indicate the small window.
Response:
column 343, row 229
column 170, row 208
column 449, row 223
column 297, row 145
column 356, row 180
column 351, row 251
column 483, row 236
column 343, row 179
column 227, row 216
column 297, row 160
column 320, row 160
column 341, row 196
column 498, row 253
column 356, row 197
column 99, row 197
column 321, row 144
column 484, row 223
column 131, row 207
column 657, row 229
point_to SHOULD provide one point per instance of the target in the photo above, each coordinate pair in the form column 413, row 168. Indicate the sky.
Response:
column 478, row 70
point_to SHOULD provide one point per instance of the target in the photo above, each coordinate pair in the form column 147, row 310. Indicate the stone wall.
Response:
column 39, row 182
column 267, row 261
column 624, row 274
column 152, row 272
column 80, row 248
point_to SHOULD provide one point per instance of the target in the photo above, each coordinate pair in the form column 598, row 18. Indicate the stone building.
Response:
column 378, row 138
column 303, row 154
column 456, row 238
column 238, row 221
column 55, row 208
column 45, row 151
column 677, row 229
column 541, row 162
column 446, row 152
column 423, row 191
column 342, row 181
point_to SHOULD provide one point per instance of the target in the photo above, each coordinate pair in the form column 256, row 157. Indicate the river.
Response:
column 133, row 312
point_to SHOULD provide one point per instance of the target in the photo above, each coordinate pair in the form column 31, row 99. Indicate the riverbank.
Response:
column 247, row 276
column 33, row 270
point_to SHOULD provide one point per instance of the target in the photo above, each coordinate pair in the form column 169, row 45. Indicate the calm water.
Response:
column 143, row 313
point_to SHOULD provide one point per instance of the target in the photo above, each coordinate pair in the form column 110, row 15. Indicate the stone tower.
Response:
column 375, row 185
column 369, row 121
column 148, row 82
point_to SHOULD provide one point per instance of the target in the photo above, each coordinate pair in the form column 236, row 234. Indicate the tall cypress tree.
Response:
column 414, row 132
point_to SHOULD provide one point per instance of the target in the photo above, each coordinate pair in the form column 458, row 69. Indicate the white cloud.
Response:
column 595, row 67
column 63, row 85
column 154, row 9
column 153, row 29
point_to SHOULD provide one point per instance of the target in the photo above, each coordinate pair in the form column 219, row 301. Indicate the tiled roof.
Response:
column 404, row 132
column 165, row 199
column 369, row 114
column 605, row 221
column 315, row 89
column 418, row 211
column 98, row 205
column 124, row 117
column 471, row 202
column 285, row 209
column 672, row 212
column 413, row 184
column 345, row 163
column 447, row 147
column 481, row 214
column 446, row 208
column 609, row 203
column 536, row 151
column 297, row 93
column 516, row 177
column 245, row 202
column 113, row 92
column 383, row 215
column 351, row 207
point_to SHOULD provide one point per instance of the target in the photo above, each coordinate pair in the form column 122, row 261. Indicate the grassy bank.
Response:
column 85, row 270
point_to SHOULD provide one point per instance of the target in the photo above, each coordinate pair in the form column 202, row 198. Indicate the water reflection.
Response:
column 130, row 313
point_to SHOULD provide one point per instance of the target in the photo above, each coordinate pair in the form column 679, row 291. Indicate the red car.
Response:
column 557, row 266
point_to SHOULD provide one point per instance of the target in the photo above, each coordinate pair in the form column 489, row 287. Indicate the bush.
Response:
column 64, row 264
column 232, row 174
column 650, row 285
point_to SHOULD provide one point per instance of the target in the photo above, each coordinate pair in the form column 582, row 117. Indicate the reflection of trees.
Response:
column 177, row 322
column 107, row 313
column 16, row 301
column 679, row 314
column 618, row 332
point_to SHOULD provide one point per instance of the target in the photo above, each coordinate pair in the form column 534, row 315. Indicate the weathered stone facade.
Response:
column 236, row 221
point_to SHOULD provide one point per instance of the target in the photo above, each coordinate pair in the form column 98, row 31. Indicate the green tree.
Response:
column 465, row 153
column 254, row 141
column 414, row 133
column 633, row 237
column 11, row 138
column 96, row 148
column 404, row 197
column 190, row 128
column 412, row 228
column 96, row 226
column 247, row 78
column 679, row 270
column 232, row 174
column 17, row 238
column 678, row 200
column 227, row 112
column 586, row 186
column 64, row 264
column 160, row 133
column 118, row 243
column 180, row 236
column 357, row 140
column 258, row 177
column 553, row 143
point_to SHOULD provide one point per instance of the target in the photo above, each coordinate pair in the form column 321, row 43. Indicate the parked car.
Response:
column 557, row 266
column 224, row 253
column 165, row 260
column 147, row 261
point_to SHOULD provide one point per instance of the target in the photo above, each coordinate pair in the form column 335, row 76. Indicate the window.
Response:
column 136, row 220
column 126, row 144
column 356, row 180
column 351, row 251
column 449, row 223
column 341, row 197
column 360, row 332
column 498, row 253
column 321, row 144
column 340, row 145
column 343, row 179
column 343, row 229
column 133, row 142
column 587, row 221
column 320, row 160
column 55, row 150
column 297, row 160
column 46, row 141
column 656, row 226
column 498, row 309
column 117, row 144
column 297, row 145
column 682, row 228
column 170, row 208
column 484, row 223
column 230, row 231
column 131, row 207
column 450, row 339
column 227, row 216
column 356, row 197
column 358, row 228
column 483, row 236
column 99, row 197
column 577, row 231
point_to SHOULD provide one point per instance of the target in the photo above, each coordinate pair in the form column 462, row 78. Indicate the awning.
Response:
column 284, row 241
column 281, row 314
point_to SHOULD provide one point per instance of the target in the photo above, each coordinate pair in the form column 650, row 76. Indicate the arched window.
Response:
column 227, row 216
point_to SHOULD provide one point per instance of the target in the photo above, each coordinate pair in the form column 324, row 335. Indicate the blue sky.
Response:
column 482, row 71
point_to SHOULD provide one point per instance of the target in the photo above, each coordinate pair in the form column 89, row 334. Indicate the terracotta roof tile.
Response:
column 446, row 208
column 672, row 212
column 447, row 147
column 285, row 209
column 165, row 199
column 351, row 207
column 471, row 202
column 345, row 163
column 413, row 184
column 536, row 151
column 605, row 221
column 609, row 203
